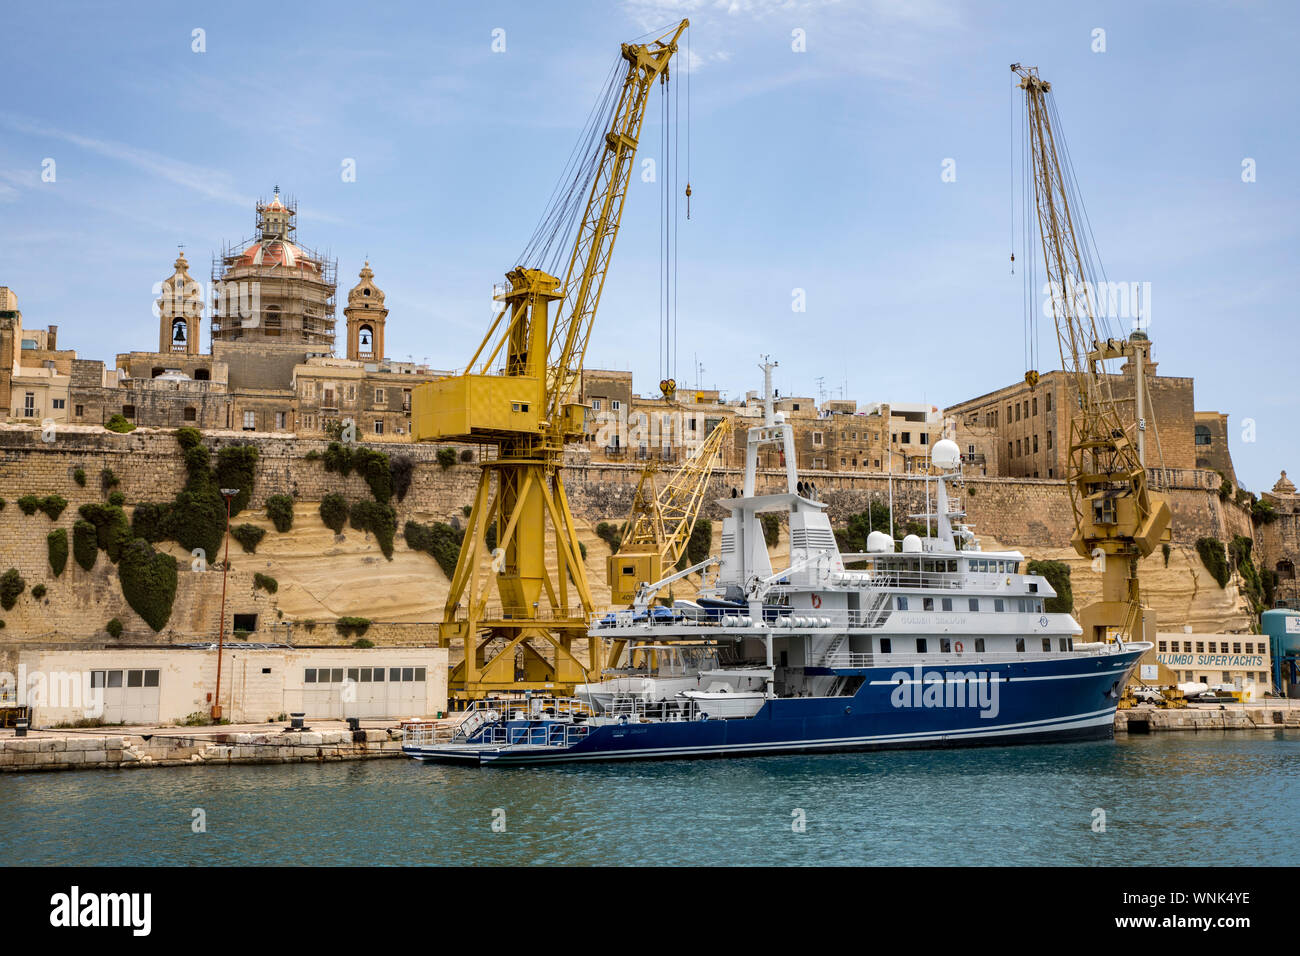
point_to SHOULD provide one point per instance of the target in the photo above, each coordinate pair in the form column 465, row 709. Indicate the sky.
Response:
column 852, row 158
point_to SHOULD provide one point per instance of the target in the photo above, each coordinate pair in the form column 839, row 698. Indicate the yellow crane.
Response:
column 660, row 524
column 1118, row 520
column 518, row 395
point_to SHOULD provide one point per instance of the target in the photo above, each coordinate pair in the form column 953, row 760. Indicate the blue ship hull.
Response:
column 1062, row 699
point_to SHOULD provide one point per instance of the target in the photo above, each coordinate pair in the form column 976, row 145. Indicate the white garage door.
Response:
column 130, row 696
column 364, row 691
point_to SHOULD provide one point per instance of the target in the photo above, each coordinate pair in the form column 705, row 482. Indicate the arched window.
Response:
column 366, row 340
column 180, row 335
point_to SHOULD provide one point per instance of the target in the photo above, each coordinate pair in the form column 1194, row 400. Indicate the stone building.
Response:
column 1279, row 541
column 1025, row 429
column 34, row 374
column 270, row 367
column 1211, row 440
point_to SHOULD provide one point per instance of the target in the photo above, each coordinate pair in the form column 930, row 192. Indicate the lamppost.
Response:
column 228, row 494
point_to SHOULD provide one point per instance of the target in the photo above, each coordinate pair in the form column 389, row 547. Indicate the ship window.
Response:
column 945, row 645
column 886, row 645
column 378, row 674
column 408, row 673
column 1020, row 643
column 997, row 604
column 920, row 645
column 902, row 603
column 974, row 604
column 1163, row 646
column 947, row 604
column 1047, row 643
column 1020, row 605
column 979, row 645
column 1063, row 644
column 419, row 674
column 927, row 604
column 310, row 676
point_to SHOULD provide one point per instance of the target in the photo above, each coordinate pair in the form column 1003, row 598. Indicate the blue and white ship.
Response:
column 939, row 645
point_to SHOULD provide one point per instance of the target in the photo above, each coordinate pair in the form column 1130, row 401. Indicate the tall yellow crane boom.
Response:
column 1118, row 520
column 518, row 394
column 661, row 521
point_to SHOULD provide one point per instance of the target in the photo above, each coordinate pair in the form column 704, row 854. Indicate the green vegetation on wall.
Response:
column 352, row 626
column 148, row 582
column 56, row 545
column 264, row 581
column 11, row 586
column 79, row 476
column 114, row 628
column 699, row 544
column 611, row 534
column 378, row 519
column 38, row 592
column 112, row 530
column 248, row 536
column 1252, row 585
column 402, row 470
column 446, row 457
column 279, row 509
column 120, row 424
column 84, row 546
column 51, row 505
column 334, row 512
column 236, row 466
column 440, row 541
column 1058, row 576
column 108, row 480
column 1215, row 558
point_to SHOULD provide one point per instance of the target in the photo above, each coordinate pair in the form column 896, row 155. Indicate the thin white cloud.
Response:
column 211, row 183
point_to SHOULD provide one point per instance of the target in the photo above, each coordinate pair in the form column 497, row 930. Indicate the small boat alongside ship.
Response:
column 939, row 645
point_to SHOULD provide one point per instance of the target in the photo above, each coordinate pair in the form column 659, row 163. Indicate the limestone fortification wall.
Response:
column 323, row 576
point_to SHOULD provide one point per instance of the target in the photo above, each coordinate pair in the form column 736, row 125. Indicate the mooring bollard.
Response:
column 295, row 720
column 354, row 723
column 20, row 728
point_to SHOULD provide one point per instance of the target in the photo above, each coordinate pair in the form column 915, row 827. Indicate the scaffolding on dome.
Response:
column 281, row 292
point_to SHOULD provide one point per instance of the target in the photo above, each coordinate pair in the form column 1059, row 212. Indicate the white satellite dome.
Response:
column 911, row 544
column 878, row 541
column 778, row 418
column 946, row 454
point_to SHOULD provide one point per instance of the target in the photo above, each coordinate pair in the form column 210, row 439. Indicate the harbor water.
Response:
column 1171, row 799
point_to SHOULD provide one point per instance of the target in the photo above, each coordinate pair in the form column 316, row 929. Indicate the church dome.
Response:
column 276, row 252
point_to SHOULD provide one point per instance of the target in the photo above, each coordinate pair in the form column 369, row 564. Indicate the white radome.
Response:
column 878, row 542
column 911, row 544
column 946, row 454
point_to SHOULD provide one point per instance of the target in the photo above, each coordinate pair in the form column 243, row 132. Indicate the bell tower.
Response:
column 180, row 309
column 365, row 313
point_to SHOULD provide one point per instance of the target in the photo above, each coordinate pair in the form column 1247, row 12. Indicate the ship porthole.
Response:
column 848, row 710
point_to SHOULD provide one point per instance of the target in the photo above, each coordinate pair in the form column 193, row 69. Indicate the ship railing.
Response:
column 882, row 578
column 774, row 616
column 534, row 735
column 634, row 709
column 847, row 659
